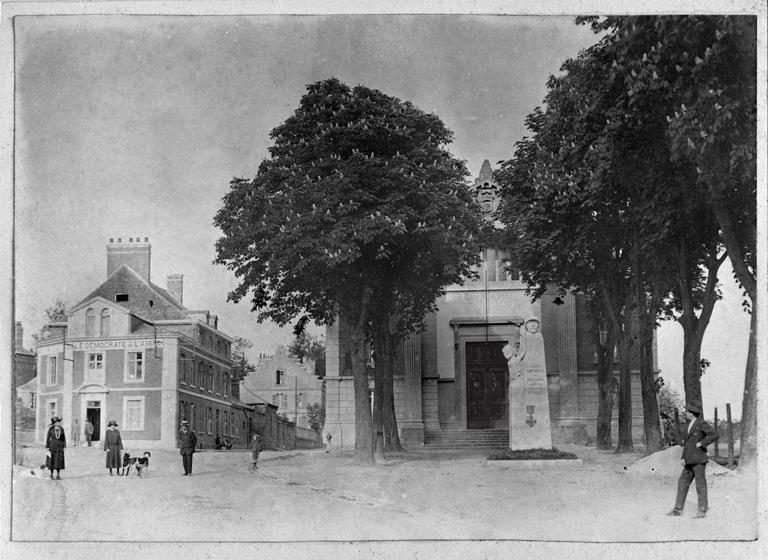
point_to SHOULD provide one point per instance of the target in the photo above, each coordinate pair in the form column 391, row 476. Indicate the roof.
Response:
column 145, row 299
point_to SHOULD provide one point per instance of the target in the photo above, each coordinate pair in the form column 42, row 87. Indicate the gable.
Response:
column 137, row 296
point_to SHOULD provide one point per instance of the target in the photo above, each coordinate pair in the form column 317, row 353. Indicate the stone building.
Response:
column 451, row 379
column 286, row 382
column 131, row 351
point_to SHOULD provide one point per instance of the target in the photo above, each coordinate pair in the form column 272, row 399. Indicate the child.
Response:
column 255, row 450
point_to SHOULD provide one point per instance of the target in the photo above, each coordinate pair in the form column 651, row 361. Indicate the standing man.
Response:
column 255, row 450
column 187, row 444
column 76, row 433
column 88, row 431
column 694, row 460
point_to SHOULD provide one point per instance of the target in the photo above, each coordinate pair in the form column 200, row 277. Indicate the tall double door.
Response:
column 487, row 379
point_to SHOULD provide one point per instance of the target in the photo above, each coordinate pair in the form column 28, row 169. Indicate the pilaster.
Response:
column 170, row 392
column 412, row 426
column 572, row 428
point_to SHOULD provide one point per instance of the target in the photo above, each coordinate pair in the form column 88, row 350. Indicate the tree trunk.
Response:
column 625, row 444
column 616, row 312
column 605, row 352
column 748, row 445
column 391, row 435
column 694, row 327
column 651, row 419
column 692, row 338
column 379, row 383
column 363, row 422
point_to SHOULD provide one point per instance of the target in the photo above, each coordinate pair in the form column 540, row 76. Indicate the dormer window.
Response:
column 121, row 297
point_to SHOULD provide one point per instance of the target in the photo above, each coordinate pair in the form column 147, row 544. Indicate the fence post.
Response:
column 678, row 439
column 730, row 433
column 717, row 445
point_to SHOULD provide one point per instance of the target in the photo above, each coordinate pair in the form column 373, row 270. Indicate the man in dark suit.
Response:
column 187, row 444
column 698, row 435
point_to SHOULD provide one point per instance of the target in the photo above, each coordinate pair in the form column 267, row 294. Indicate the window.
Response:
column 232, row 423
column 183, row 368
column 133, row 413
column 135, row 367
column 104, row 325
column 226, row 423
column 90, row 322
column 52, row 370
column 210, row 378
column 121, row 297
column 218, row 422
column 51, row 408
column 209, row 422
column 95, row 369
column 278, row 377
column 200, row 367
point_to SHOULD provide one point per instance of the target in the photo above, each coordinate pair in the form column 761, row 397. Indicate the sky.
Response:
column 133, row 126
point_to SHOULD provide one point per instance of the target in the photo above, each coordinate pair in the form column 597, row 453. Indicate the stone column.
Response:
column 572, row 429
column 412, row 426
column 170, row 391
column 339, row 389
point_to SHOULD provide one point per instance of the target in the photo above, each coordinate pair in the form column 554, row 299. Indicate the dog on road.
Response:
column 138, row 463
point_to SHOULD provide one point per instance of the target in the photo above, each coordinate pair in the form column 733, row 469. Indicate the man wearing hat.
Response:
column 187, row 444
column 698, row 435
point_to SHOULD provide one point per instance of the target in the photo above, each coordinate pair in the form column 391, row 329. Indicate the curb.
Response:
column 535, row 464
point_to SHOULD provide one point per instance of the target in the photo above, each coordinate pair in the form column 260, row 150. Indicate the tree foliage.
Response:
column 241, row 366
column 700, row 71
column 316, row 416
column 357, row 186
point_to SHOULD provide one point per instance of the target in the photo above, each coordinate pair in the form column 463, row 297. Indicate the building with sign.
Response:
column 131, row 351
column 451, row 380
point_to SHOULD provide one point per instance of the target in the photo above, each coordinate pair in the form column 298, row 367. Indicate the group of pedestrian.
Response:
column 56, row 443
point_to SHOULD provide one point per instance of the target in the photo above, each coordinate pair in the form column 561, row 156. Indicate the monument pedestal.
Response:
column 529, row 426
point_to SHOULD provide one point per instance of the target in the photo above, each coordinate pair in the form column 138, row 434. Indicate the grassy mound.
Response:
column 530, row 454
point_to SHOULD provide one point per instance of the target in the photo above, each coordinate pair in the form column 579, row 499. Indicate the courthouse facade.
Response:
column 453, row 376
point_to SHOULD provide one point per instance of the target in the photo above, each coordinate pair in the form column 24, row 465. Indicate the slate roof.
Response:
column 140, row 294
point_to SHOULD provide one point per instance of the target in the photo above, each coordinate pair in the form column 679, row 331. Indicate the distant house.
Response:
column 24, row 363
column 286, row 382
column 131, row 351
column 24, row 382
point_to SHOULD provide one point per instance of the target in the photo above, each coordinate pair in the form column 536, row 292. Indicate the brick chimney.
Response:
column 132, row 252
column 176, row 286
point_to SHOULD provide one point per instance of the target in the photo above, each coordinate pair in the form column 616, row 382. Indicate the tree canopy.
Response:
column 359, row 193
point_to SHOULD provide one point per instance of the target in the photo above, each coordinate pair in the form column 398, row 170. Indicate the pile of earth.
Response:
column 667, row 463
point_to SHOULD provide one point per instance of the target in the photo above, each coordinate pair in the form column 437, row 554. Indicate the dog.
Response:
column 139, row 463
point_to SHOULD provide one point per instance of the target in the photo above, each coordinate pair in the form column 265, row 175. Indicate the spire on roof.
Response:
column 485, row 170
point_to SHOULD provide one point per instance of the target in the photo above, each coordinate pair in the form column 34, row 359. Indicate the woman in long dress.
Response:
column 113, row 445
column 56, row 445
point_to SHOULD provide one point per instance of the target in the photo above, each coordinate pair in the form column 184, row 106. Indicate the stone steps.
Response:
column 466, row 439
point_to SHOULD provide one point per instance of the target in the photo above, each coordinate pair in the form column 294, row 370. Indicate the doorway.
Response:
column 93, row 415
column 487, row 379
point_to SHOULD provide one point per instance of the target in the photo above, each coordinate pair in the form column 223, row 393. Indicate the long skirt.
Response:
column 57, row 459
column 113, row 457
